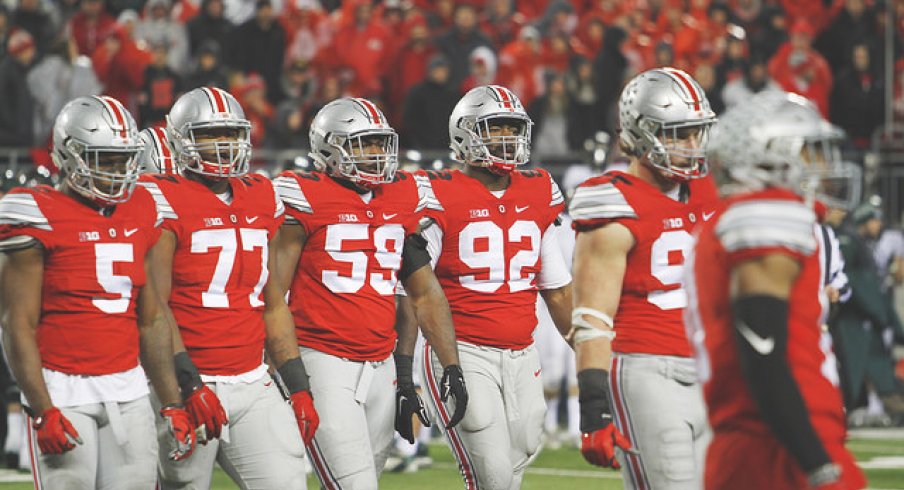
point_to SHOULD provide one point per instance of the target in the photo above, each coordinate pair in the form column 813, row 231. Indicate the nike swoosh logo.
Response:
column 251, row 220
column 268, row 383
column 130, row 232
column 707, row 216
column 519, row 209
column 537, row 372
column 390, row 216
column 759, row 344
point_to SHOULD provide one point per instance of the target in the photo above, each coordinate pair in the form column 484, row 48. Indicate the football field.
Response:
column 879, row 452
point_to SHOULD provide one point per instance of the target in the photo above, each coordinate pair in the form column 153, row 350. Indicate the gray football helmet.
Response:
column 157, row 156
column 340, row 134
column 197, row 115
column 469, row 129
column 665, row 118
column 96, row 145
column 779, row 139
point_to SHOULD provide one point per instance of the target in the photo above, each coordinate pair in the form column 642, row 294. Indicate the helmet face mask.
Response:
column 679, row 149
column 351, row 140
column 96, row 144
column 209, row 134
column 489, row 128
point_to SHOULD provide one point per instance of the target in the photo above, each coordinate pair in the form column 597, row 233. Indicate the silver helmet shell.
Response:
column 338, row 136
column 88, row 131
column 469, row 129
column 779, row 139
column 157, row 156
column 205, row 109
column 658, row 110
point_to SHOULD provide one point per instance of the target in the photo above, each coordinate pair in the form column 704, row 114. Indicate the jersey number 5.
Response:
column 387, row 239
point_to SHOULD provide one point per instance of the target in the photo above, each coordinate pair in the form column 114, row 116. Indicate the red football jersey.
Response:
column 93, row 271
column 745, row 227
column 219, row 267
column 343, row 292
column 649, row 318
column 490, row 258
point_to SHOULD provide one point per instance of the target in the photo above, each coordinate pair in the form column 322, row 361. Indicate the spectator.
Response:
column 483, row 69
column 731, row 66
column 855, row 23
column 259, row 47
column 428, row 107
column 158, row 28
column 119, row 64
column 858, row 102
column 90, row 25
column 162, row 86
column 208, row 25
column 293, row 117
column 798, row 68
column 62, row 75
column 520, row 65
column 4, row 29
column 441, row 16
column 705, row 75
column 774, row 32
column 209, row 71
column 309, row 31
column 362, row 44
column 16, row 103
column 610, row 69
column 755, row 79
column 300, row 82
column 458, row 43
column 550, row 115
column 252, row 95
column 30, row 17
column 409, row 68
column 584, row 118
column 501, row 23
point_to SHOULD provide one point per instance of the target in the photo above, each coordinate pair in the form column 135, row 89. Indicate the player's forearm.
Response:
column 433, row 315
column 25, row 362
column 559, row 302
column 282, row 344
column 157, row 359
column 406, row 326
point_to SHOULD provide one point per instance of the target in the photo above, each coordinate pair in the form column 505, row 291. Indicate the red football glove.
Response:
column 305, row 414
column 598, row 447
column 181, row 429
column 205, row 410
column 56, row 435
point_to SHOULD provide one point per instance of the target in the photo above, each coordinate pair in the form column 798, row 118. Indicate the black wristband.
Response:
column 403, row 367
column 593, row 387
column 186, row 374
column 414, row 255
column 294, row 376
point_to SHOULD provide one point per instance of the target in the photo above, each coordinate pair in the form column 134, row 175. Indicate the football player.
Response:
column 211, row 264
column 353, row 223
column 493, row 243
column 757, row 305
column 80, row 310
column 634, row 232
column 157, row 157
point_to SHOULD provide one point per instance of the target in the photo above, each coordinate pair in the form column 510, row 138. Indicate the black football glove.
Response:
column 408, row 402
column 453, row 383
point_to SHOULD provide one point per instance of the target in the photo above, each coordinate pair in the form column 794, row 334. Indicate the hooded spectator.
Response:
column 458, row 43
column 428, row 106
column 483, row 69
column 208, row 25
column 16, row 102
column 209, row 71
column 610, row 69
column 259, row 47
column 119, row 64
column 858, row 102
column 90, row 25
column 798, row 68
column 158, row 29
column 754, row 80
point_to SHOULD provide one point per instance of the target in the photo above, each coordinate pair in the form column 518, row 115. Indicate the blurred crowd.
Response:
column 566, row 60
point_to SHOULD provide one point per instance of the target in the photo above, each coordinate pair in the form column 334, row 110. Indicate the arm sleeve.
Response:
column 554, row 271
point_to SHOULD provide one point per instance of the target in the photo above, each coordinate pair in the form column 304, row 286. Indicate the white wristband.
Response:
column 582, row 330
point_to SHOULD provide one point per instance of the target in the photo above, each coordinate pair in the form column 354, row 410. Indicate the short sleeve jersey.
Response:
column 750, row 226
column 219, row 266
column 342, row 296
column 93, row 272
column 649, row 316
column 490, row 259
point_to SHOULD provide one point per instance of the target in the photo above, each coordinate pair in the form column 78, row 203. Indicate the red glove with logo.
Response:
column 599, row 436
column 598, row 447
column 204, row 408
column 305, row 414
column 181, row 429
column 56, row 435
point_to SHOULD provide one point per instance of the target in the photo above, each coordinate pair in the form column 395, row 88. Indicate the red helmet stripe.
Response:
column 504, row 96
column 372, row 110
column 117, row 111
column 687, row 85
column 163, row 150
column 217, row 99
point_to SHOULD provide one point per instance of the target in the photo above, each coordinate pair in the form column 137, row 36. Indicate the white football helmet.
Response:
column 779, row 139
column 340, row 134
column 200, row 114
column 665, row 117
column 157, row 156
column 469, row 129
column 96, row 144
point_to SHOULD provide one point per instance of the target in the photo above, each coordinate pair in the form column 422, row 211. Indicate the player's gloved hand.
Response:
column 453, row 383
column 205, row 410
column 200, row 401
column 56, row 435
column 408, row 402
column 181, row 430
column 305, row 414
column 599, row 436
